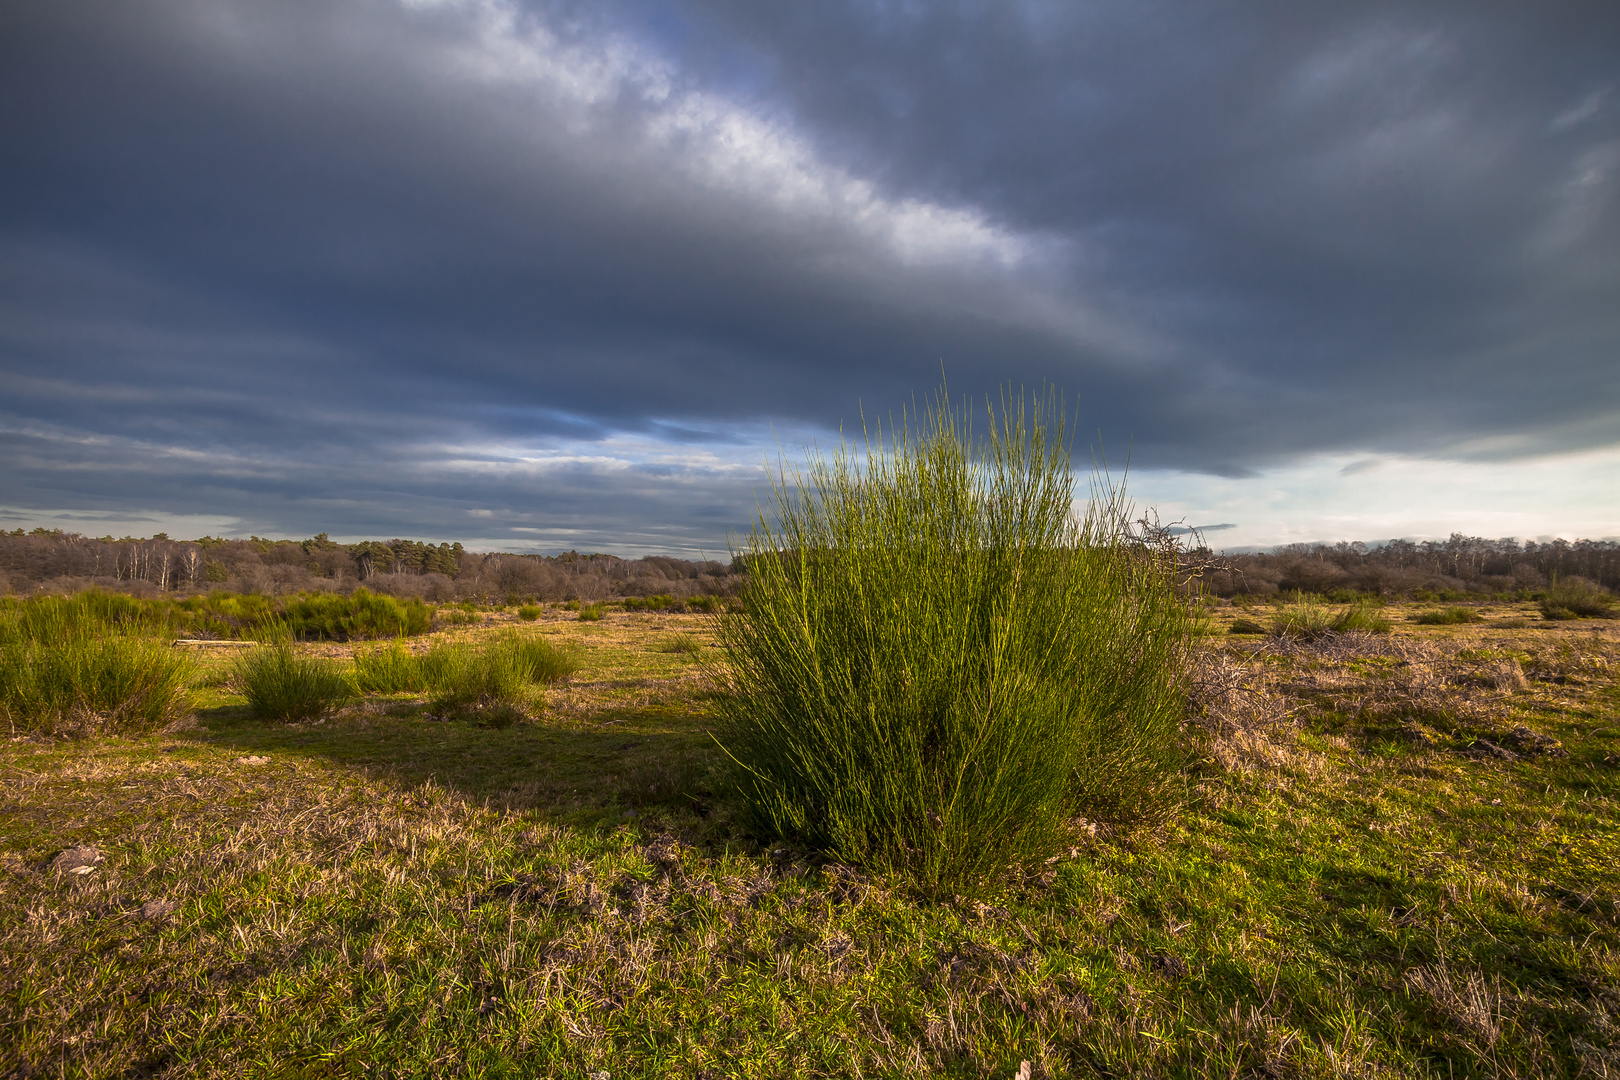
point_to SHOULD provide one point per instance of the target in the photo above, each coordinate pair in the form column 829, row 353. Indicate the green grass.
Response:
column 89, row 664
column 387, row 894
column 530, row 612
column 660, row 602
column 361, row 615
column 591, row 612
column 1310, row 621
column 681, row 644
column 1303, row 620
column 283, row 684
column 307, row 616
column 1451, row 616
column 388, row 669
column 496, row 676
column 1363, row 619
column 937, row 665
column 541, row 660
column 455, row 616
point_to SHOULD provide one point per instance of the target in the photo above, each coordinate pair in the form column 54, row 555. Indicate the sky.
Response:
column 539, row 276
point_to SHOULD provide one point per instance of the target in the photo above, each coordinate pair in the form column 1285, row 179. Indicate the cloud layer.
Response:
column 547, row 273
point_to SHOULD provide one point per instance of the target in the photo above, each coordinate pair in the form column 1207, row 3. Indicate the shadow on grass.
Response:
column 624, row 765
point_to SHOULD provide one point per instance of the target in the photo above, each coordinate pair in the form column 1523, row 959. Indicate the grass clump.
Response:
column 1311, row 621
column 529, row 612
column 539, row 659
column 388, row 669
column 591, row 612
column 1576, row 598
column 1304, row 620
column 937, row 663
column 281, row 683
column 87, row 664
column 497, row 678
column 1450, row 616
column 1362, row 618
column 1245, row 626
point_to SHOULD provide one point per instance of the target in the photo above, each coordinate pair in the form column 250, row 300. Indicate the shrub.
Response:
column 590, row 612
column 1450, row 616
column 708, row 605
column 650, row 603
column 937, row 663
column 281, row 683
column 361, row 614
column 1576, row 598
column 529, row 612
column 389, row 669
column 87, row 664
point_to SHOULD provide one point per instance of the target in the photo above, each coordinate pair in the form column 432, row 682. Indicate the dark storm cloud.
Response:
column 384, row 267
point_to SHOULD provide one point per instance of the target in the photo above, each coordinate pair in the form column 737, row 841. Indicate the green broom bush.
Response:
column 937, row 663
column 361, row 614
column 85, row 665
column 283, row 684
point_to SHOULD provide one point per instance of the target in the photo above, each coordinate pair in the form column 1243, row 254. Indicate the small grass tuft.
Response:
column 388, row 669
column 462, row 678
column 1362, row 618
column 530, row 612
column 1304, row 620
column 539, row 659
column 591, row 612
column 281, row 683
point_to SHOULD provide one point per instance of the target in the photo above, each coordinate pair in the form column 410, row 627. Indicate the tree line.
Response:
column 63, row 562
column 1457, row 565
column 59, row 561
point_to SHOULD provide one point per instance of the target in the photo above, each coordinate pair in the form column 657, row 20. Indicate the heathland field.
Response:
column 1396, row 852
